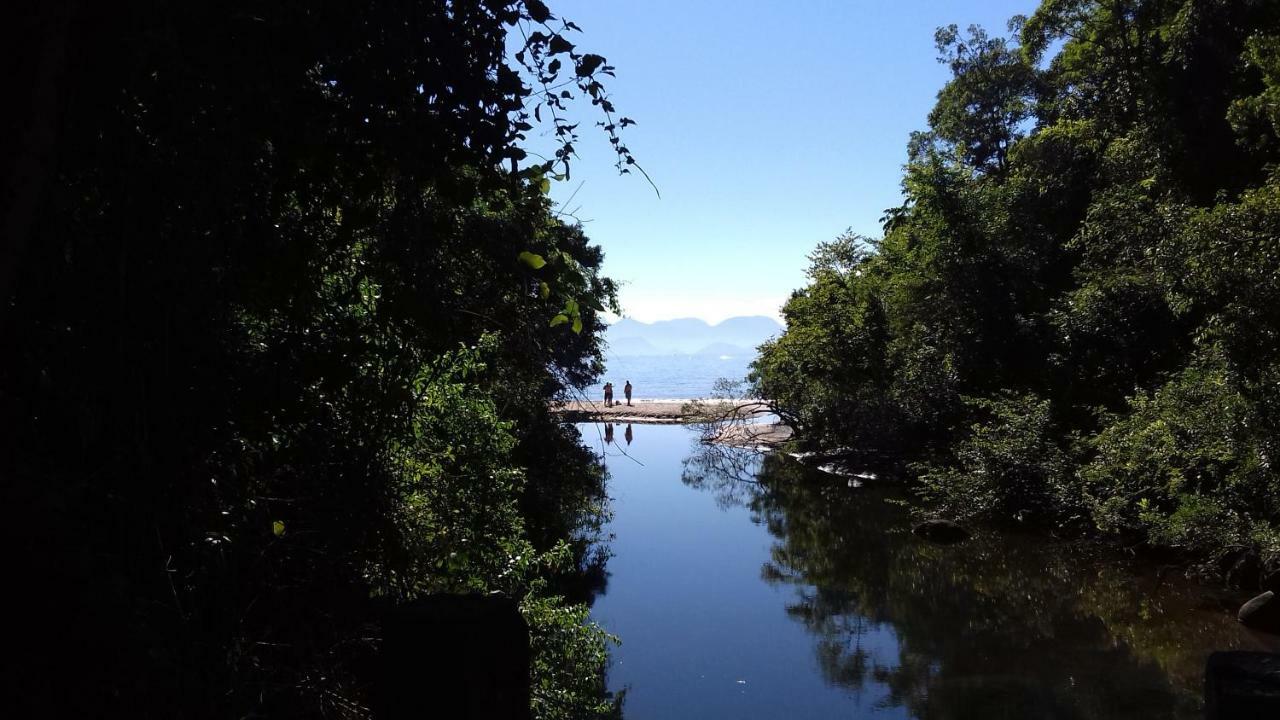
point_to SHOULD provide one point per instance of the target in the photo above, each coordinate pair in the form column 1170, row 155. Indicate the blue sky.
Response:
column 768, row 127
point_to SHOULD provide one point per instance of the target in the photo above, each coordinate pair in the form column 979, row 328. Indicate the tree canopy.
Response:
column 282, row 315
column 1071, row 321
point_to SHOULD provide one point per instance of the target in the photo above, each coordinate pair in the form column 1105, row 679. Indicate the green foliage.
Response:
column 1008, row 467
column 832, row 352
column 462, row 529
column 1257, row 117
column 285, row 352
column 534, row 261
column 1187, row 465
column 569, row 663
column 1073, row 318
column 980, row 112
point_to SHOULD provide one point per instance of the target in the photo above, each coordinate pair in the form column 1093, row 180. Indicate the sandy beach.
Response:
column 657, row 411
column 761, row 436
column 757, row 434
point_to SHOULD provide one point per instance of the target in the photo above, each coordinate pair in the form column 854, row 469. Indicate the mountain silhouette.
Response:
column 690, row 336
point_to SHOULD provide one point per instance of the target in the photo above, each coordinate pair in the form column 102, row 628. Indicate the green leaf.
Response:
column 277, row 527
column 544, row 290
column 577, row 324
column 559, row 319
column 544, row 185
column 533, row 260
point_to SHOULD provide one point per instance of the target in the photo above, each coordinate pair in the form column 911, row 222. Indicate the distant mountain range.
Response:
column 735, row 337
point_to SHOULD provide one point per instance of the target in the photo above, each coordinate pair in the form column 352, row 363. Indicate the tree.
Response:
column 1074, row 308
column 276, row 358
column 981, row 111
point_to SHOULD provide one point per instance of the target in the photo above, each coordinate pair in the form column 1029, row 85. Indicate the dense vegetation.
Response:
column 1074, row 319
column 283, row 303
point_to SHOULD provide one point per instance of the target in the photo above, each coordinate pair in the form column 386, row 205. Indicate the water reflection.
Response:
column 999, row 626
column 628, row 434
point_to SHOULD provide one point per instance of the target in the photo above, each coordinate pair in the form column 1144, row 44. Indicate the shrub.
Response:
column 1008, row 467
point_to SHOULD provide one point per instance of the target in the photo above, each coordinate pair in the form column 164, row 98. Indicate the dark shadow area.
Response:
column 454, row 656
column 275, row 291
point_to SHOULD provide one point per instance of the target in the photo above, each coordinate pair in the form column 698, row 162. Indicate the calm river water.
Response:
column 743, row 588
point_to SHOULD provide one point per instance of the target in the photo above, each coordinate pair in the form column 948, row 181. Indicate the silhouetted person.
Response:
column 626, row 390
column 608, row 432
column 608, row 394
column 627, row 434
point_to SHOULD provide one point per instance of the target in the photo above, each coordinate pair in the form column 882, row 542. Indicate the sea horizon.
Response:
column 673, row 377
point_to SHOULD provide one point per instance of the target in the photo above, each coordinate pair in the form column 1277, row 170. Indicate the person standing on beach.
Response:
column 626, row 390
column 608, row 394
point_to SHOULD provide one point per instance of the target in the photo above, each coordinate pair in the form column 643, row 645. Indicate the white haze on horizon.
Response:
column 711, row 308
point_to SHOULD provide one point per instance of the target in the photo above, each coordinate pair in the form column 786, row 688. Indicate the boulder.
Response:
column 1262, row 613
column 941, row 531
column 1245, row 571
column 1240, row 685
column 1271, row 580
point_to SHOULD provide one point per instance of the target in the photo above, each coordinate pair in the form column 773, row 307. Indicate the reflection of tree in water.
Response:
column 582, row 526
column 588, row 577
column 840, row 634
column 728, row 472
column 1000, row 626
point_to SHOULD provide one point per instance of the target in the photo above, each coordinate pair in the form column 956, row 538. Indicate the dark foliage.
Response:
column 278, row 298
column 1072, row 319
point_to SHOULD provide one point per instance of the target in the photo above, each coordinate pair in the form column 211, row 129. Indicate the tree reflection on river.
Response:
column 999, row 626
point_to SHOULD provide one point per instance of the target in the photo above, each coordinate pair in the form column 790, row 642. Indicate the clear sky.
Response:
column 768, row 127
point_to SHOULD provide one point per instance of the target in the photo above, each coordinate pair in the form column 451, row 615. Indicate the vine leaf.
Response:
column 538, row 11
column 533, row 260
column 588, row 64
column 559, row 45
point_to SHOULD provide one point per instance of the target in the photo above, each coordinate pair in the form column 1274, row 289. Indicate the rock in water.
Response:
column 941, row 531
column 1262, row 613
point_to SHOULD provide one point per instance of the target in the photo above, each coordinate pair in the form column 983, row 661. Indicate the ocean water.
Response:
column 668, row 377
